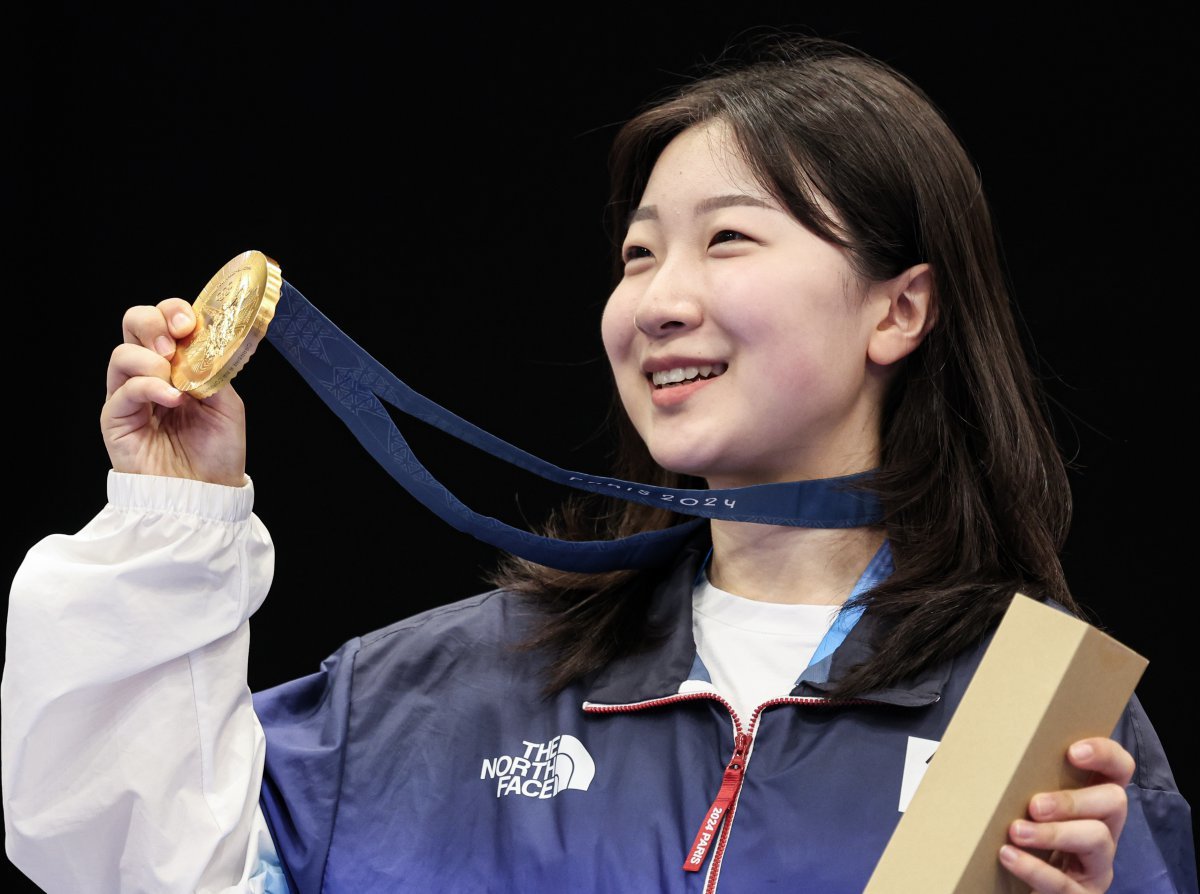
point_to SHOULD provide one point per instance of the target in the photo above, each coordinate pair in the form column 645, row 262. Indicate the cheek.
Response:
column 616, row 330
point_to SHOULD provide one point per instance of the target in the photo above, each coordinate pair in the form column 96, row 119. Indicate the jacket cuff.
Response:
column 181, row 496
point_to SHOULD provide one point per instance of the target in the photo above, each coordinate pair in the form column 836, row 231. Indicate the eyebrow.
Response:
column 704, row 206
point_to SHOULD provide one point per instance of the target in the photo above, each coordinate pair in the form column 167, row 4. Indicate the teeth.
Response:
column 687, row 373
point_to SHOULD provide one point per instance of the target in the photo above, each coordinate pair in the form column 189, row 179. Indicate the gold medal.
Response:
column 232, row 314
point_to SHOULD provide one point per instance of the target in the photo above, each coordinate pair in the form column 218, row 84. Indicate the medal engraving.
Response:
column 232, row 314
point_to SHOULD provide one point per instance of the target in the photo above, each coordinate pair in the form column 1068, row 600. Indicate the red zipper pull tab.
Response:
column 731, row 783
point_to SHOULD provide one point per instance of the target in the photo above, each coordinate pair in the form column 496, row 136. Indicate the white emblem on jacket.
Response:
column 916, row 762
column 543, row 769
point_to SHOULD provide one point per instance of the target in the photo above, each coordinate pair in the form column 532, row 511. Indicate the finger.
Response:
column 226, row 401
column 1041, row 876
column 1087, row 838
column 1105, row 758
column 1087, row 844
column 1037, row 874
column 1106, row 802
column 180, row 316
column 158, row 327
column 131, row 360
column 132, row 400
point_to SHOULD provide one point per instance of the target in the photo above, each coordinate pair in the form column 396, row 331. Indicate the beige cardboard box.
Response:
column 1046, row 680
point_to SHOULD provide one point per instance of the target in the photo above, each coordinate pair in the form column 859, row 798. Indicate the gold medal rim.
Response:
column 266, row 286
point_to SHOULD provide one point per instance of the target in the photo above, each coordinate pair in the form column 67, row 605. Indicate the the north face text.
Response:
column 542, row 769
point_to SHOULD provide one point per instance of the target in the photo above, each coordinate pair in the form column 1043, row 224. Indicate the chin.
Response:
column 683, row 463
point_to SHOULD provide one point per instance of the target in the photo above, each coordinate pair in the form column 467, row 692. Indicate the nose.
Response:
column 670, row 304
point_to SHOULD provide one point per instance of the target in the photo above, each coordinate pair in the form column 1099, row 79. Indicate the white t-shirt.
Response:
column 754, row 651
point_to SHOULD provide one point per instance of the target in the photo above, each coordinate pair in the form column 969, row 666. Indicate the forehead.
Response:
column 705, row 167
column 704, row 160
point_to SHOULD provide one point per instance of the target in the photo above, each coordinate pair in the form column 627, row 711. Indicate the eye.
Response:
column 635, row 252
column 727, row 236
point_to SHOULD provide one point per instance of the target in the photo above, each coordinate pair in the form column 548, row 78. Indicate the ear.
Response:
column 905, row 314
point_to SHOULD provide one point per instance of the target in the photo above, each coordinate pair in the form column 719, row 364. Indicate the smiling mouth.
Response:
column 681, row 375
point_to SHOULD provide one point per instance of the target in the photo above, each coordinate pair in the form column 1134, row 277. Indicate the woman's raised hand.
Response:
column 1079, row 828
column 151, row 428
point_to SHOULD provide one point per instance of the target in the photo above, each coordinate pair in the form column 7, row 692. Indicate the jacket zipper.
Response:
column 747, row 741
column 714, row 823
column 714, row 828
column 718, row 822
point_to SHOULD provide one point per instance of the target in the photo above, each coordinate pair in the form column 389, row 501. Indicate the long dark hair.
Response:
column 974, row 488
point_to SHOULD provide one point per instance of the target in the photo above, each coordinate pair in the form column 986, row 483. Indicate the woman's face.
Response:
column 737, row 337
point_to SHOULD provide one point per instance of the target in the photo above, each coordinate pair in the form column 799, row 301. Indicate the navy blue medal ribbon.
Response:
column 353, row 384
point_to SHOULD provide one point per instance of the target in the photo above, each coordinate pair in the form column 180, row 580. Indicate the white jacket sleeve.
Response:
column 132, row 758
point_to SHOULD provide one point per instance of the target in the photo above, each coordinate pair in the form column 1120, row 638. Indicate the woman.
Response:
column 808, row 288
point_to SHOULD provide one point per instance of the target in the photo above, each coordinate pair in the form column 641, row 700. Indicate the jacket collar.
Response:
column 657, row 672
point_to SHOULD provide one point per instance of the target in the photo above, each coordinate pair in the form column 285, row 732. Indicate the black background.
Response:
column 434, row 182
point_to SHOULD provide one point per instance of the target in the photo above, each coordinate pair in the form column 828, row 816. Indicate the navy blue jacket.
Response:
column 422, row 757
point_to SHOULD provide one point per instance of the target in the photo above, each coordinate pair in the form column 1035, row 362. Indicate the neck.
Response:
column 805, row 566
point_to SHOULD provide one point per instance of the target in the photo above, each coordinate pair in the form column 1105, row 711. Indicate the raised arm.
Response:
column 132, row 759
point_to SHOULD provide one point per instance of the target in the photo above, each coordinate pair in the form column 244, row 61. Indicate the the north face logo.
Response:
column 543, row 770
